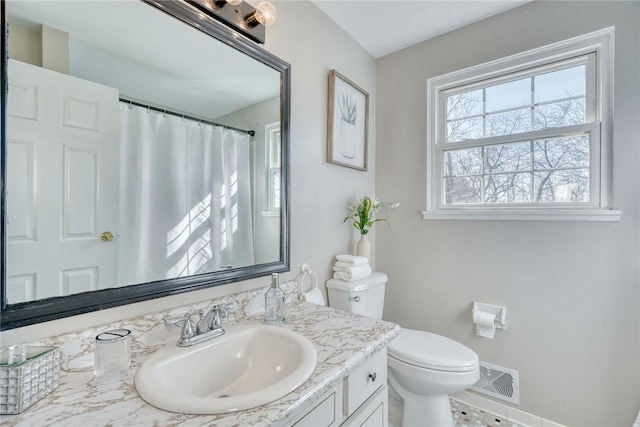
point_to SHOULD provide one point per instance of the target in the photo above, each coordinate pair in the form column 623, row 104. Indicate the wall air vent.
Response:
column 498, row 382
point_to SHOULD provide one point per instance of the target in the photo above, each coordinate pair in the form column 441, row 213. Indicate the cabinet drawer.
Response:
column 365, row 380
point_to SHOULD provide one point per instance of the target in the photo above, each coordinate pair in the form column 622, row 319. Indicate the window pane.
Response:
column 513, row 157
column 562, row 186
column 508, row 188
column 275, row 150
column 274, row 201
column 464, row 104
column 563, row 152
column 463, row 190
column 508, row 95
column 509, row 122
column 564, row 113
column 560, row 84
column 459, row 130
column 462, row 162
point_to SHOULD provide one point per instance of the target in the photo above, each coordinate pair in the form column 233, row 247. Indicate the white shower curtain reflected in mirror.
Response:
column 185, row 202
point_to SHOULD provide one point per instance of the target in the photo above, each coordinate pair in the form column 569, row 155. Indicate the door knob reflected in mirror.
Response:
column 107, row 236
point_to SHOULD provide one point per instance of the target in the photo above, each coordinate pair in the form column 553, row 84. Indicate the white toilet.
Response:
column 423, row 368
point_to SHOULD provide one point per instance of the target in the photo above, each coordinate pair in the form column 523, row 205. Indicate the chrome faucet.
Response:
column 207, row 327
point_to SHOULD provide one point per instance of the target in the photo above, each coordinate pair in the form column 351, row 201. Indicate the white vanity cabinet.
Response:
column 360, row 400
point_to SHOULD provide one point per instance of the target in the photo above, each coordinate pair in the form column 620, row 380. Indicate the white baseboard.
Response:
column 508, row 413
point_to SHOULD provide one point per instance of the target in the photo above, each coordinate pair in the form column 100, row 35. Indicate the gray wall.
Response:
column 572, row 289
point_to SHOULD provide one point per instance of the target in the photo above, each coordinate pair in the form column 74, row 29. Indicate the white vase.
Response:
column 363, row 247
column 348, row 134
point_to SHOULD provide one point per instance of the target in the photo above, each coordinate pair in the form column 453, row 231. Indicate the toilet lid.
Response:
column 432, row 351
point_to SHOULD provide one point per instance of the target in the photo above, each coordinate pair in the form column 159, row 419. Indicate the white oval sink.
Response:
column 248, row 366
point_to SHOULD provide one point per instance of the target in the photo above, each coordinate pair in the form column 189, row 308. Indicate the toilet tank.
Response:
column 365, row 296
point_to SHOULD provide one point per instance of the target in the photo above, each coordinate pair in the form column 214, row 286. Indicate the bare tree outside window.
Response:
column 524, row 137
column 543, row 170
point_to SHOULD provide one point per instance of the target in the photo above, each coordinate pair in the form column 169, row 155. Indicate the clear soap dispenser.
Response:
column 274, row 303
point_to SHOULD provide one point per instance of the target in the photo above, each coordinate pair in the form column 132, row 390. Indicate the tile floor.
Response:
column 463, row 416
column 466, row 416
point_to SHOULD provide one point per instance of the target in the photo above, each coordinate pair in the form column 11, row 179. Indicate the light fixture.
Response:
column 265, row 14
column 240, row 15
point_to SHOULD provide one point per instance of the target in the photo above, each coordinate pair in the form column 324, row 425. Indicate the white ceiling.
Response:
column 385, row 26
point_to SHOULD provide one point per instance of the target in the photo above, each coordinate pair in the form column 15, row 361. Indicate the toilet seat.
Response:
column 432, row 351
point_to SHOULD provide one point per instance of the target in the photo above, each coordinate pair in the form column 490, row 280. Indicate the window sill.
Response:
column 526, row 214
column 270, row 214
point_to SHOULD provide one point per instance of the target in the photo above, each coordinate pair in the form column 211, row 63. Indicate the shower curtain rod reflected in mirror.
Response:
column 186, row 116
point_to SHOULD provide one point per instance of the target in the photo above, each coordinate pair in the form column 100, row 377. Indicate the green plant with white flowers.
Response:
column 362, row 212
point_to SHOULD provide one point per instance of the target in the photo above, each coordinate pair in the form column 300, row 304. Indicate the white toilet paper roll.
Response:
column 482, row 318
column 485, row 323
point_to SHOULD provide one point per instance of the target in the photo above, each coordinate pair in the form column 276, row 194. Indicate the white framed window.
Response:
column 273, row 155
column 524, row 137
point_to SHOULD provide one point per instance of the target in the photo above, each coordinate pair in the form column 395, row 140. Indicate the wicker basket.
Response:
column 24, row 382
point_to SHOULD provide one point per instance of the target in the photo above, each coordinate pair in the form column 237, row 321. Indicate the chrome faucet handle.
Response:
column 219, row 313
column 215, row 318
column 227, row 308
column 187, row 327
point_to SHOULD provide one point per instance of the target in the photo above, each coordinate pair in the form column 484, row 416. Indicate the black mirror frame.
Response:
column 28, row 313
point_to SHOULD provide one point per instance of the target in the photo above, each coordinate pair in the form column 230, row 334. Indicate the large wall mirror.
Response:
column 144, row 153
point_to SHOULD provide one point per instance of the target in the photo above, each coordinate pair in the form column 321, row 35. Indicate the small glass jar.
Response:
column 17, row 353
column 112, row 356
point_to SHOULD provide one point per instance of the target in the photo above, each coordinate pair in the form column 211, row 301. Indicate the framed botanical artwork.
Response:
column 347, row 123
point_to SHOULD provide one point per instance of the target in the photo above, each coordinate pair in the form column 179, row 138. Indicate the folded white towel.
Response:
column 352, row 260
column 344, row 265
column 351, row 274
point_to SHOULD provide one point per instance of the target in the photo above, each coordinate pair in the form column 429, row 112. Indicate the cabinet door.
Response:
column 327, row 412
column 373, row 413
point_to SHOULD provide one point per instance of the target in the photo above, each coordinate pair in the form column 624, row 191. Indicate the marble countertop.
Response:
column 343, row 341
